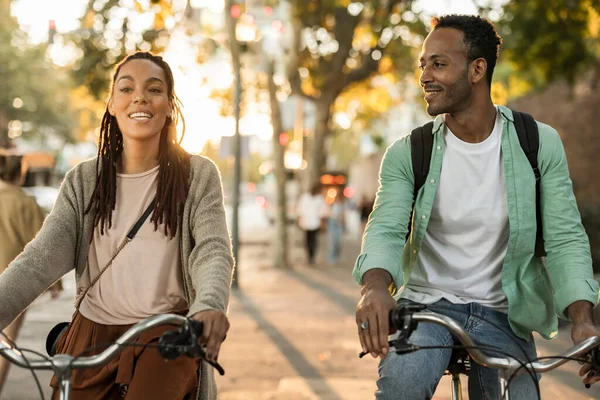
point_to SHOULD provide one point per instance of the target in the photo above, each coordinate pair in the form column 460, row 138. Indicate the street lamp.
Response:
column 232, row 13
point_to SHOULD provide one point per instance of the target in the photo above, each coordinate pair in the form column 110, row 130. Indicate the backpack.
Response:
column 421, row 144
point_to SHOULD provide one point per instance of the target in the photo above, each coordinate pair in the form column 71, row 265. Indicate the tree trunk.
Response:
column 4, row 139
column 317, row 148
column 281, row 233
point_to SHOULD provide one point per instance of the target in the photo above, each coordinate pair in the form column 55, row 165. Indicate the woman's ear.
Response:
column 111, row 111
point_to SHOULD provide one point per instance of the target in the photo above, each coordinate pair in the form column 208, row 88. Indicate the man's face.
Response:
column 445, row 76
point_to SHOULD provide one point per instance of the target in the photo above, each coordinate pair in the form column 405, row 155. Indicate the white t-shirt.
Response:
column 310, row 210
column 467, row 236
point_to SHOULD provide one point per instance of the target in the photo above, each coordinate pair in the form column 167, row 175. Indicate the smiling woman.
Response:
column 138, row 133
column 128, row 267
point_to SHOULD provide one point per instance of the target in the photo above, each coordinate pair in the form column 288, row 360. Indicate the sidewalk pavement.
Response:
column 293, row 334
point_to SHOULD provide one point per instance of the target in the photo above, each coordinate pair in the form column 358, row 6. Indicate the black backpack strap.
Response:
column 421, row 145
column 529, row 138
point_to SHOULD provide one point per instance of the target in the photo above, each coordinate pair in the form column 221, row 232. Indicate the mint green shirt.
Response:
column 536, row 293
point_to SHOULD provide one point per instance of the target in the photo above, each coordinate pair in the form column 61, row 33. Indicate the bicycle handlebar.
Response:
column 398, row 320
column 504, row 362
column 63, row 361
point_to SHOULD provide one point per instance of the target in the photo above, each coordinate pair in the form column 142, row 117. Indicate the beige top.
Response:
column 145, row 278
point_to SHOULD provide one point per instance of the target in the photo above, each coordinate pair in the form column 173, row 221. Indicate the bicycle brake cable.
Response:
column 581, row 360
column 523, row 365
column 20, row 350
column 498, row 327
column 494, row 349
column 509, row 335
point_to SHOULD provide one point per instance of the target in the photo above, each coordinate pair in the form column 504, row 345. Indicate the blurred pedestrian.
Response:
column 310, row 216
column 365, row 206
column 179, row 261
column 20, row 219
column 335, row 227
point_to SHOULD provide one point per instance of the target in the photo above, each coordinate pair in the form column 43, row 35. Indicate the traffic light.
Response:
column 284, row 139
column 238, row 8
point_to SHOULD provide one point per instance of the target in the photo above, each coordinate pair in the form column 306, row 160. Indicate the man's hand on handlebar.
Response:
column 579, row 333
column 583, row 327
column 373, row 311
column 216, row 326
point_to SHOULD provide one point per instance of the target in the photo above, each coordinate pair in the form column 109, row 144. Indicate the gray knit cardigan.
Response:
column 63, row 242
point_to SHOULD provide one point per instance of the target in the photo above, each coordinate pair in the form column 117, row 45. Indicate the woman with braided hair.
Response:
column 178, row 262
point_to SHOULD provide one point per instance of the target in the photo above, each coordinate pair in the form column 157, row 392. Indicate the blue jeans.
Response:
column 335, row 231
column 415, row 376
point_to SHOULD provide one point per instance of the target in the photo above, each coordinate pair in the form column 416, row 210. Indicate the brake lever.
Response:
column 399, row 348
column 214, row 364
column 184, row 341
column 196, row 329
column 401, row 319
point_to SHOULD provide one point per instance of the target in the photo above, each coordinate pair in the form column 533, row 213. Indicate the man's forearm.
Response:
column 376, row 278
column 581, row 312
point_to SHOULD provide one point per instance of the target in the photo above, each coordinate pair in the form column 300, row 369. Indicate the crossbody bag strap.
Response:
column 132, row 232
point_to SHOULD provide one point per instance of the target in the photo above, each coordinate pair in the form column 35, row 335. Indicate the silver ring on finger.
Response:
column 364, row 326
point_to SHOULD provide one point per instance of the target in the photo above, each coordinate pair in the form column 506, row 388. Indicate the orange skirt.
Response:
column 134, row 374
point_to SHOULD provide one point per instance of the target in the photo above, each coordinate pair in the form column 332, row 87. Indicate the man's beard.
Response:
column 453, row 98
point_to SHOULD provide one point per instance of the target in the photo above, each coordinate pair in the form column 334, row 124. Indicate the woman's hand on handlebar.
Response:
column 216, row 326
column 373, row 314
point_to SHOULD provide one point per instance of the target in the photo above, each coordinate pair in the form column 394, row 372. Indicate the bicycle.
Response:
column 171, row 344
column 405, row 319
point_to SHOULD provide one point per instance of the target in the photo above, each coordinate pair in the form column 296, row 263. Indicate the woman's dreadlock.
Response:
column 174, row 161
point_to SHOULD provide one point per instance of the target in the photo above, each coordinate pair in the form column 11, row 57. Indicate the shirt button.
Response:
column 439, row 147
column 414, row 251
column 423, row 216
column 432, row 181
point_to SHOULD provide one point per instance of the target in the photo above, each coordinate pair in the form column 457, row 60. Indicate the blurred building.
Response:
column 40, row 171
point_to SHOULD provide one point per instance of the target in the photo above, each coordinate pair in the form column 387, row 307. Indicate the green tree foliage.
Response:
column 346, row 41
column 105, row 37
column 551, row 39
column 342, row 44
column 32, row 90
column 554, row 45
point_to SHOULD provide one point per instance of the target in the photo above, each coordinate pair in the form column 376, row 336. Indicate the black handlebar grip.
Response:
column 197, row 327
column 398, row 314
column 395, row 316
column 594, row 359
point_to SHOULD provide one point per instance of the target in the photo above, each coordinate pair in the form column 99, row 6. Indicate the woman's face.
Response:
column 140, row 101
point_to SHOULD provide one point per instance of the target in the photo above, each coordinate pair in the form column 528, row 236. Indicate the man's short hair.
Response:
column 481, row 38
column 10, row 167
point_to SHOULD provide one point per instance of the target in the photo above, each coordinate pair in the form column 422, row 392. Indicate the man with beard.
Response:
column 470, row 254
